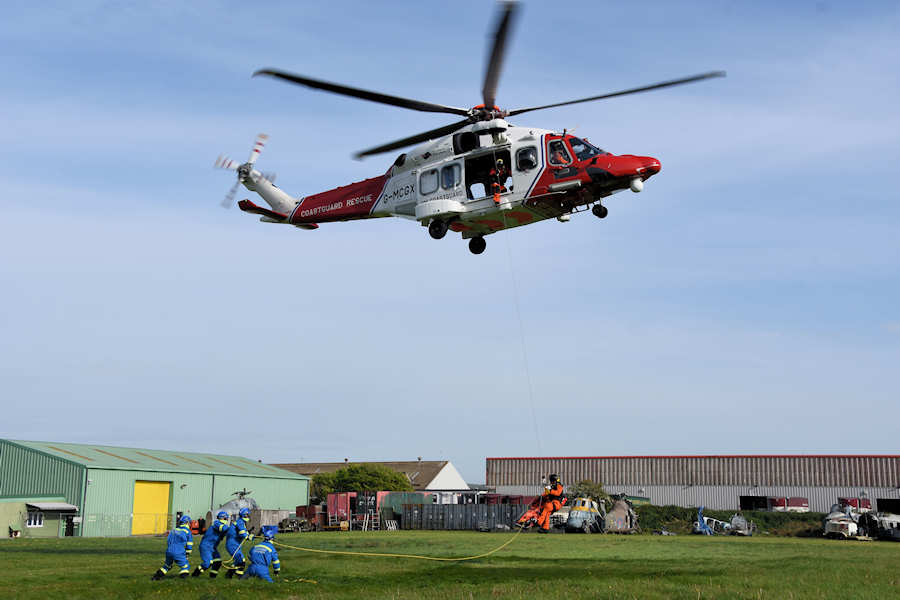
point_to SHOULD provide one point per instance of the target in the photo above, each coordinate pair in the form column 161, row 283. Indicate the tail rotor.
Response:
column 257, row 148
column 244, row 171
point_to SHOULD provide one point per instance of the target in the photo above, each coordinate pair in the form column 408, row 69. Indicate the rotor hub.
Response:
column 481, row 113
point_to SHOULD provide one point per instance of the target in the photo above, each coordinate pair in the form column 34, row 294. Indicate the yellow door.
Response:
column 150, row 513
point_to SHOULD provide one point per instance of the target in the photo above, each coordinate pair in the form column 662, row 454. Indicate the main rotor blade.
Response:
column 363, row 94
column 415, row 139
column 646, row 88
column 498, row 51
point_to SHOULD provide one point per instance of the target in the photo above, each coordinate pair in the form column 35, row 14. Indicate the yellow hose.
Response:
column 415, row 556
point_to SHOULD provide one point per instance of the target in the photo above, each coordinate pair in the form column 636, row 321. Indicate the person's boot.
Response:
column 183, row 575
column 245, row 575
column 214, row 568
column 229, row 573
column 543, row 531
column 197, row 572
column 158, row 575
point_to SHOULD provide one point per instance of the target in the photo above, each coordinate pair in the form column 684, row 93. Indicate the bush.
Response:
column 678, row 519
column 360, row 478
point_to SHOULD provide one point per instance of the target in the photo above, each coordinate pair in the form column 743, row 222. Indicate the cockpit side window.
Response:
column 559, row 154
column 583, row 149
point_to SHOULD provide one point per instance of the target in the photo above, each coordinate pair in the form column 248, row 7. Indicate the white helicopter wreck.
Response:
column 477, row 176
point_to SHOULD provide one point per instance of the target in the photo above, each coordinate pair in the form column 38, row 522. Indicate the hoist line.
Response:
column 413, row 556
column 512, row 276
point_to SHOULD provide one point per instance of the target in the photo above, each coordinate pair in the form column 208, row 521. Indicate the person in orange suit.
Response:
column 551, row 501
column 498, row 175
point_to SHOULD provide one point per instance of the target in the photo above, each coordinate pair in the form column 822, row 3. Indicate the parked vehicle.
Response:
column 841, row 524
column 586, row 516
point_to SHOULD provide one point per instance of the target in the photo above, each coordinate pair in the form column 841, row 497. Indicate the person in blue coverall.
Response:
column 209, row 546
column 261, row 556
column 179, row 545
column 237, row 533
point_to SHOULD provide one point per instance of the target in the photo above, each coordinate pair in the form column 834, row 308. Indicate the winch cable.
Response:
column 515, row 288
column 536, row 433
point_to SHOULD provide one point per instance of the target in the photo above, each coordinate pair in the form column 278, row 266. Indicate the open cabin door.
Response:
column 488, row 175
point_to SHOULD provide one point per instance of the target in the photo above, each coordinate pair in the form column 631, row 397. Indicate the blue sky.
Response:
column 747, row 301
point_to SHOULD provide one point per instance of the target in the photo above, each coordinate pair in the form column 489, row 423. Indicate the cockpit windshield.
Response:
column 583, row 149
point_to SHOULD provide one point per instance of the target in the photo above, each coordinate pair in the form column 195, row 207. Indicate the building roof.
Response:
column 95, row 456
column 420, row 473
column 53, row 506
column 694, row 456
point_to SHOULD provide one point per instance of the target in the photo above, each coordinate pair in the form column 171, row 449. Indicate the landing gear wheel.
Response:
column 586, row 527
column 437, row 229
column 600, row 211
column 477, row 245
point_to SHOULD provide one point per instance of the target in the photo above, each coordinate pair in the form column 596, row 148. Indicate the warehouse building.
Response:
column 50, row 489
column 719, row 482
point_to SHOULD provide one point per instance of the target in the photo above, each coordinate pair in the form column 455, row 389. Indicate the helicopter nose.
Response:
column 651, row 165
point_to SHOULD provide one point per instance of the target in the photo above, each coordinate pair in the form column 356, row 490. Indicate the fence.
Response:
column 459, row 516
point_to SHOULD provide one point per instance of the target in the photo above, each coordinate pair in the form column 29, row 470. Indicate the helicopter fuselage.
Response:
column 488, row 177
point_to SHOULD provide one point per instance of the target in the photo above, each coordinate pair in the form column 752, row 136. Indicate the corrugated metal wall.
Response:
column 110, row 498
column 26, row 472
column 274, row 494
column 714, row 481
column 857, row 471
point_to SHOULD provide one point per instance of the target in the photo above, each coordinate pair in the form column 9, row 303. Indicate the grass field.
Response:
column 557, row 566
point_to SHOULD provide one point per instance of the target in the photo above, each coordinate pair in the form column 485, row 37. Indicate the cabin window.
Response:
column 428, row 182
column 559, row 154
column 450, row 177
column 527, row 159
column 35, row 519
column 583, row 149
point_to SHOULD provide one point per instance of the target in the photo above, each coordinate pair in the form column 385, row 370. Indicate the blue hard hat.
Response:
column 222, row 515
column 244, row 512
column 269, row 531
column 269, row 535
column 184, row 519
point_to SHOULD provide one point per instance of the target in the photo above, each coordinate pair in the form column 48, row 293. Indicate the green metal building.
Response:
column 50, row 489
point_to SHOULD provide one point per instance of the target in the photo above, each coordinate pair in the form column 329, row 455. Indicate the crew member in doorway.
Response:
column 179, row 545
column 498, row 174
column 551, row 501
column 209, row 546
column 237, row 533
column 261, row 556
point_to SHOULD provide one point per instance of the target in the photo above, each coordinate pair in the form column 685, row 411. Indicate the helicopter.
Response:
column 476, row 176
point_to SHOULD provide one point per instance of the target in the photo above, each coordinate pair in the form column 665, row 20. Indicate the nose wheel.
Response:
column 600, row 211
column 437, row 229
column 477, row 245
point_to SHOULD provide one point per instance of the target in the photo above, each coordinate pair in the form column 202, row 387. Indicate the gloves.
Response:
column 250, row 537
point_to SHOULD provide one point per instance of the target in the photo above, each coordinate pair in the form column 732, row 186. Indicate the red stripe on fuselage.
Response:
column 354, row 201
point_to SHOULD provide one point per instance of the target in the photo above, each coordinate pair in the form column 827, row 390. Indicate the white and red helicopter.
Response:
column 476, row 176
